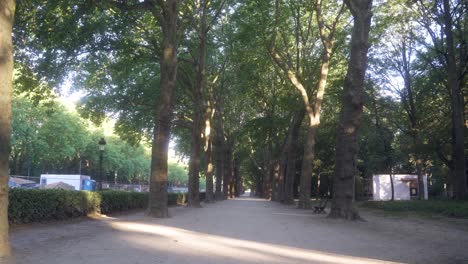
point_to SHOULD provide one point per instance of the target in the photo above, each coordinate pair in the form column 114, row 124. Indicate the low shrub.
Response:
column 33, row 205
column 441, row 207
column 117, row 201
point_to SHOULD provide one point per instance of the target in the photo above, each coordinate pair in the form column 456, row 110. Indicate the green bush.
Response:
column 28, row 205
column 116, row 201
column 41, row 205
column 441, row 207
column 33, row 205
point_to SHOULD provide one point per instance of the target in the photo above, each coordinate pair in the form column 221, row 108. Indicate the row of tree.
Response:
column 274, row 91
column 48, row 138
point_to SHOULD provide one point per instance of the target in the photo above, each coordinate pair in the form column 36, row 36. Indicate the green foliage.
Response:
column 178, row 174
column 49, row 138
column 28, row 206
column 117, row 201
column 112, row 55
column 35, row 205
column 431, row 207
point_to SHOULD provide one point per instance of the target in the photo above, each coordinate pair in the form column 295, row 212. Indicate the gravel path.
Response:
column 243, row 230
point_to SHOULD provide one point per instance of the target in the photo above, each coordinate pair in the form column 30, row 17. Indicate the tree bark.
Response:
column 312, row 107
column 219, row 149
column 227, row 170
column 194, row 163
column 350, row 116
column 276, row 180
column 237, row 176
column 454, row 84
column 413, row 117
column 157, row 206
column 209, row 197
column 290, row 174
column 313, row 114
column 7, row 12
column 200, row 68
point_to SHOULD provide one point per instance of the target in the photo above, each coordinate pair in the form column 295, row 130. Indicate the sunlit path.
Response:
column 243, row 230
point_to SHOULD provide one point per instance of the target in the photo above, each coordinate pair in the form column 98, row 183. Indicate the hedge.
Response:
column 35, row 205
column 448, row 208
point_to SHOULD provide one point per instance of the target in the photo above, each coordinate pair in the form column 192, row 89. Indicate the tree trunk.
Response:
column 7, row 11
column 219, row 149
column 194, row 163
column 290, row 174
column 281, row 173
column 227, row 170
column 313, row 114
column 454, row 85
column 200, row 69
column 419, row 169
column 413, row 117
column 392, row 185
column 157, row 206
column 209, row 195
column 312, row 108
column 350, row 116
column 307, row 166
column 232, row 184
column 276, row 180
column 237, row 176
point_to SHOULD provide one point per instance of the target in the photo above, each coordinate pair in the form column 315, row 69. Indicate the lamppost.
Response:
column 102, row 146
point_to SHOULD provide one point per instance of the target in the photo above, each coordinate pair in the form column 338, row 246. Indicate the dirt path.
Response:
column 243, row 230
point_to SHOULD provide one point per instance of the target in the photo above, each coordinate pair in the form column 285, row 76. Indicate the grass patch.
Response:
column 458, row 209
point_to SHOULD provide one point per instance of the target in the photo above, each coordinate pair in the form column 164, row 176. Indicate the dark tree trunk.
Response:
column 313, row 110
column 194, row 163
column 307, row 166
column 209, row 197
column 281, row 173
column 157, row 206
column 454, row 78
column 350, row 116
column 413, row 117
column 237, row 176
column 227, row 170
column 392, row 185
column 198, row 118
column 7, row 11
column 276, row 180
column 232, row 184
column 290, row 174
column 312, row 107
column 219, row 149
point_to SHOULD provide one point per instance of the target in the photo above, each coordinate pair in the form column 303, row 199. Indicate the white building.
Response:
column 405, row 186
column 77, row 181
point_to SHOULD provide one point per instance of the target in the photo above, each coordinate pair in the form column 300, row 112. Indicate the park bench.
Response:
column 320, row 208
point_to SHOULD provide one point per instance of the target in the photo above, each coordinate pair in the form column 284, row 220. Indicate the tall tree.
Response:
column 203, row 23
column 350, row 116
column 312, row 99
column 398, row 52
column 7, row 12
column 168, row 19
column 445, row 23
column 219, row 148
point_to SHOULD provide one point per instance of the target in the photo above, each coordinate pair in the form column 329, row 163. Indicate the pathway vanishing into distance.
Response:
column 243, row 230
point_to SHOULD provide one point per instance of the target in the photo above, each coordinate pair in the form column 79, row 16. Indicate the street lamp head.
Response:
column 102, row 144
